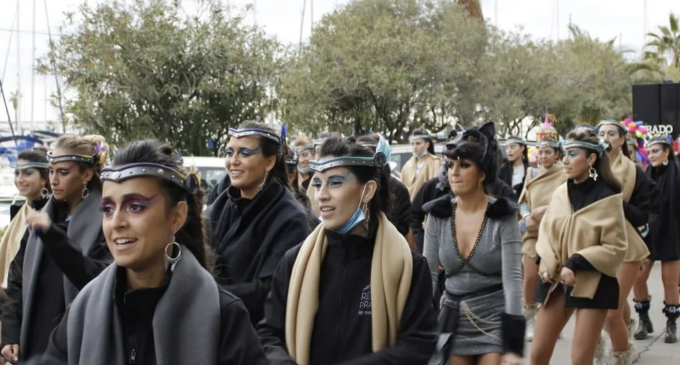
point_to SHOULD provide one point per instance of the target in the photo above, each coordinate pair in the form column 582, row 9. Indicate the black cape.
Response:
column 249, row 238
column 664, row 223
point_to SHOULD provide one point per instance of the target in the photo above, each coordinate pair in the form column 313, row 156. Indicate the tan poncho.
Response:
column 408, row 173
column 11, row 241
column 596, row 232
column 537, row 193
column 624, row 170
column 391, row 274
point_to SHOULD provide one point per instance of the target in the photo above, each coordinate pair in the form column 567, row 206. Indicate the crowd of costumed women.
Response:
column 312, row 252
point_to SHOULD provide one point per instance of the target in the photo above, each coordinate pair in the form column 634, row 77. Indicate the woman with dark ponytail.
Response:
column 581, row 245
column 158, row 303
column 257, row 219
column 353, row 292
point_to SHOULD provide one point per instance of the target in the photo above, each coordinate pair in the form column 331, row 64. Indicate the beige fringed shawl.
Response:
column 408, row 173
column 624, row 171
column 391, row 274
column 596, row 232
column 11, row 241
column 537, row 193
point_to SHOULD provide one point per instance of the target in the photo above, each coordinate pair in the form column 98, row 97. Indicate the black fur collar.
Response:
column 441, row 208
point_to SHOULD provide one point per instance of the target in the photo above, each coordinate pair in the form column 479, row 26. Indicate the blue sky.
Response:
column 605, row 19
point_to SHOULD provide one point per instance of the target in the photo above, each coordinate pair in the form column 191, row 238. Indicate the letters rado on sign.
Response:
column 660, row 129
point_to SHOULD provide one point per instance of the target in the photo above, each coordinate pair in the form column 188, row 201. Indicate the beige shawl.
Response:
column 11, row 241
column 624, row 171
column 408, row 173
column 391, row 273
column 596, row 232
column 537, row 193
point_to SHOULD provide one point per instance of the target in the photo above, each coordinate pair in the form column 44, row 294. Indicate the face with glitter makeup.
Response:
column 138, row 223
column 67, row 179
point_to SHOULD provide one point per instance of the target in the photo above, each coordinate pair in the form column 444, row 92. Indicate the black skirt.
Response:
column 606, row 296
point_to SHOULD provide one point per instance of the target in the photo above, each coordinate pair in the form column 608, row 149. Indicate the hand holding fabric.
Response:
column 38, row 221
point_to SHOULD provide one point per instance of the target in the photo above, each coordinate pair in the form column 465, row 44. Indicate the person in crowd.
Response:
column 663, row 239
column 581, row 244
column 257, row 219
column 64, row 251
column 32, row 179
column 638, row 193
column 323, row 136
column 305, row 151
column 438, row 187
column 476, row 239
column 540, row 183
column 301, row 197
column 158, row 303
column 513, row 171
column 400, row 214
column 353, row 291
column 424, row 164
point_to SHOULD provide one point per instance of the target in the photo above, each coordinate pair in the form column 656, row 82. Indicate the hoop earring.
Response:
column 261, row 186
column 169, row 260
column 86, row 192
column 45, row 193
column 367, row 214
column 665, row 162
column 592, row 173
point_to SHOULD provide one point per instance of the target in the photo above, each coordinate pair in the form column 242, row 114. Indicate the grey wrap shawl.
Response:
column 83, row 230
column 186, row 322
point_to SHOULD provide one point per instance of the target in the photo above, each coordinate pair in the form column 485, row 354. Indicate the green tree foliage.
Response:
column 386, row 65
column 148, row 69
column 590, row 81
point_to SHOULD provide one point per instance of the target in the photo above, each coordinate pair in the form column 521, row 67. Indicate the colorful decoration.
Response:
column 547, row 131
column 100, row 152
column 640, row 133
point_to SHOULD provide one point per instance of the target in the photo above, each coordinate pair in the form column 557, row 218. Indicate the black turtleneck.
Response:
column 588, row 192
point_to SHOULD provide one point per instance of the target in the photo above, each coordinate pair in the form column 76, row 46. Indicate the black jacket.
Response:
column 342, row 328
column 249, row 238
column 401, row 205
column 505, row 174
column 238, row 340
column 60, row 258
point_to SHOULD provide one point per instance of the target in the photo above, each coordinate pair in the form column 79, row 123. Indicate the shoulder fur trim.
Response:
column 441, row 208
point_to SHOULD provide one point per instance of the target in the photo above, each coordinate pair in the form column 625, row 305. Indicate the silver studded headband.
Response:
column 419, row 136
column 32, row 165
column 378, row 160
column 119, row 174
column 239, row 133
column 76, row 158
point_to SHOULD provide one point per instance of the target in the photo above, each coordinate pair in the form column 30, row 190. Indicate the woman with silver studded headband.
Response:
column 257, row 219
column 32, row 179
column 424, row 164
column 65, row 250
column 158, row 302
column 581, row 244
column 353, row 292
column 475, row 238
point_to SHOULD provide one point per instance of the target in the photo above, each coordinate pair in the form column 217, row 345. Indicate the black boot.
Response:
column 672, row 312
column 645, row 326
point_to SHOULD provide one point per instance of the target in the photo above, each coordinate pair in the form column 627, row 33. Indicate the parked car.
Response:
column 212, row 170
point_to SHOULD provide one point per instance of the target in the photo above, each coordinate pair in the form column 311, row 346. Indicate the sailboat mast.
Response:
column 33, row 72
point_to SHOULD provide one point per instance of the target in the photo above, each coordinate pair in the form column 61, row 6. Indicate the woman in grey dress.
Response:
column 476, row 239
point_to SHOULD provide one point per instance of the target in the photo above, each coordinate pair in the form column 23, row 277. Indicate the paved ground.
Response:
column 652, row 351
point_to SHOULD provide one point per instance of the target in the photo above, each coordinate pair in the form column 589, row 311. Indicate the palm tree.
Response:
column 663, row 44
column 667, row 41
